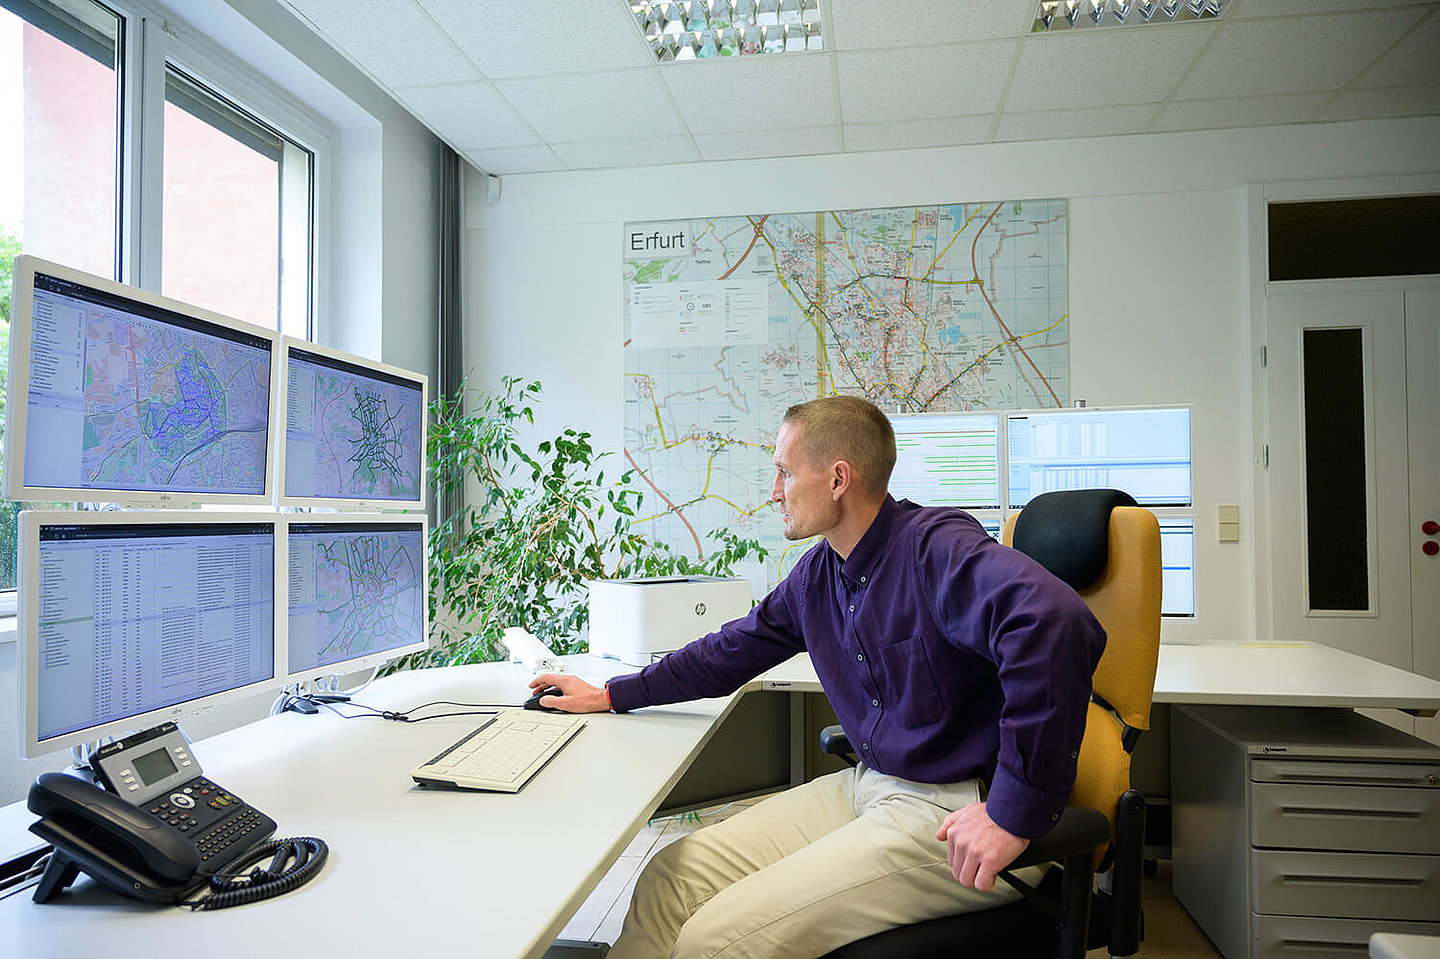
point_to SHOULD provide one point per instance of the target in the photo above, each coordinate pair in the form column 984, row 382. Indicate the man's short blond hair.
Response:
column 847, row 428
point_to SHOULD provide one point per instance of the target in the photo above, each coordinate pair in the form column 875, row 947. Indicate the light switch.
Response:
column 1228, row 525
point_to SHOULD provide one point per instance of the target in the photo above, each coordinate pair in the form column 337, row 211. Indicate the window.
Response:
column 216, row 152
column 203, row 189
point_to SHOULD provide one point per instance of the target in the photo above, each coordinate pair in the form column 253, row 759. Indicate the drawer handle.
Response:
column 1341, row 780
column 1372, row 881
column 1320, row 945
column 1336, row 811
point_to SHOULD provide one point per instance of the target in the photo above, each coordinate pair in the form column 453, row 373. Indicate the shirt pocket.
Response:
column 909, row 683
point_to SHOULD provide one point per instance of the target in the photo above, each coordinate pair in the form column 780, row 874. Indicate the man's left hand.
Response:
column 976, row 848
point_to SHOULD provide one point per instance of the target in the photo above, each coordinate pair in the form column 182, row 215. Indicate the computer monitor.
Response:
column 1144, row 451
column 130, row 619
column 947, row 459
column 354, row 431
column 121, row 395
column 357, row 590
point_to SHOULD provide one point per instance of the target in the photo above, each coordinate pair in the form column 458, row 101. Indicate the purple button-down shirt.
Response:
column 946, row 656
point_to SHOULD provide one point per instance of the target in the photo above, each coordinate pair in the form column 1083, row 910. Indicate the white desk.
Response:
column 412, row 871
column 1243, row 674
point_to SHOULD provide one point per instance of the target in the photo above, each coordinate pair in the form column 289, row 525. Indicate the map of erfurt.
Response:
column 731, row 320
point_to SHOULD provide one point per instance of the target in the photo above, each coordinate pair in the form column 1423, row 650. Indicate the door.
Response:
column 1422, row 382
column 1338, row 468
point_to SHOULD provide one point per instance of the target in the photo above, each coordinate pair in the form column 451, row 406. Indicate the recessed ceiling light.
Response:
column 1055, row 15
column 702, row 29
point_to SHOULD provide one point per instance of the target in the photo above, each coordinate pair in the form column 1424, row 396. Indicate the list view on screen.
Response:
column 947, row 459
column 133, row 617
column 1145, row 452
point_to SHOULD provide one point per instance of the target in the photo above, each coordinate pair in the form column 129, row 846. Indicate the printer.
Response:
column 639, row 620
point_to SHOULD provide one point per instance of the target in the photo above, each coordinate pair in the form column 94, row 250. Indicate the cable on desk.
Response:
column 295, row 862
column 402, row 715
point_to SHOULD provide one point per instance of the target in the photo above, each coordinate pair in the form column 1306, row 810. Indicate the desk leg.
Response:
column 798, row 744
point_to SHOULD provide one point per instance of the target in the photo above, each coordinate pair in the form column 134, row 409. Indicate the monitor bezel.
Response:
column 1189, row 408
column 368, row 660
column 28, row 624
column 18, row 413
column 283, row 498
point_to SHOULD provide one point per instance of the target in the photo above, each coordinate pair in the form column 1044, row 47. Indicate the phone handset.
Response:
column 99, row 833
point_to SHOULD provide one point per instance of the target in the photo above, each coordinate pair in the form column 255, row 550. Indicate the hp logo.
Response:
column 699, row 609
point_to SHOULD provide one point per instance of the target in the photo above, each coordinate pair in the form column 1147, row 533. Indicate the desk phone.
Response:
column 158, row 833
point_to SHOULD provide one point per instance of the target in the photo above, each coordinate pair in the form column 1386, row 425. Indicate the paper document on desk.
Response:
column 525, row 648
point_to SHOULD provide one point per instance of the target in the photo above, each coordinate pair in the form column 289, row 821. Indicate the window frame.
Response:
column 158, row 42
column 152, row 40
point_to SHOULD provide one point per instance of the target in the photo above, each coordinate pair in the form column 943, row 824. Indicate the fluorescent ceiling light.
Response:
column 701, row 29
column 1056, row 15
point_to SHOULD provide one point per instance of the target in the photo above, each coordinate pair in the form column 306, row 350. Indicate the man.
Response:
column 960, row 671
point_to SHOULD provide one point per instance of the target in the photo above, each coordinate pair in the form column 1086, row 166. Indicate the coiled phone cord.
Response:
column 294, row 862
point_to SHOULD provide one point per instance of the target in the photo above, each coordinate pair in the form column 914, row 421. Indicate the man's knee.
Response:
column 705, row 934
column 669, row 885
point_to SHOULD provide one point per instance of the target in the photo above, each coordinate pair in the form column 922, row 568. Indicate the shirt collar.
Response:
column 867, row 553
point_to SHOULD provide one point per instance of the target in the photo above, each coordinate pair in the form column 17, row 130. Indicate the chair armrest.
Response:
column 834, row 741
column 1079, row 829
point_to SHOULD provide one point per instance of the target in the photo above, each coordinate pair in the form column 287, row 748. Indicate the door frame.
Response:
column 1258, row 197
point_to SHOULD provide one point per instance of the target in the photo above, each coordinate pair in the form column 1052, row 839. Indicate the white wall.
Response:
column 1158, row 258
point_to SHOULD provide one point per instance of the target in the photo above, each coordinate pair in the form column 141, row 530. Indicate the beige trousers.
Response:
column 804, row 872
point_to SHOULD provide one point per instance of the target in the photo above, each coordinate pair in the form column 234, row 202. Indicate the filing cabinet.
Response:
column 1299, row 832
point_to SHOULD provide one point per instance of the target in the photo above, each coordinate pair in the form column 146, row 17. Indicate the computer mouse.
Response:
column 534, row 701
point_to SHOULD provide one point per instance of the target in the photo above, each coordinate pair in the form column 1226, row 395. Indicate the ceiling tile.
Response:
column 537, row 159
column 619, row 105
column 1374, row 104
column 1240, row 112
column 651, row 151
column 509, row 39
column 1415, row 60
column 395, row 42
column 719, row 96
column 1065, row 124
column 868, row 24
column 917, row 133
column 1098, row 68
column 468, row 115
column 768, row 143
column 1242, row 9
column 915, row 84
column 1300, row 55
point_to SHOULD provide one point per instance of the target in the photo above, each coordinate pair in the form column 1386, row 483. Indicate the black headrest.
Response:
column 1068, row 532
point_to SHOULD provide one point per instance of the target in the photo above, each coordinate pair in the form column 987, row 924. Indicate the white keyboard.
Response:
column 503, row 754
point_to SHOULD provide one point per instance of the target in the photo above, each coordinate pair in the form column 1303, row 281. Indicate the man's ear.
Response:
column 842, row 478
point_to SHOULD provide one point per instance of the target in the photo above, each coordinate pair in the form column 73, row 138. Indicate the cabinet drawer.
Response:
column 1346, row 772
column 1367, row 819
column 1346, row 885
column 1289, row 937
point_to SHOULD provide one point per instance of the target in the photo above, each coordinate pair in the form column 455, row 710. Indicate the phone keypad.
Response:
column 237, row 833
column 222, row 824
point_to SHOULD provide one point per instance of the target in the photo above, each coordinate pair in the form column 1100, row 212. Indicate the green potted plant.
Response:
column 537, row 525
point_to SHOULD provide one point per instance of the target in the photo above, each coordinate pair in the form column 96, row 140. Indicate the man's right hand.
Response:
column 577, row 696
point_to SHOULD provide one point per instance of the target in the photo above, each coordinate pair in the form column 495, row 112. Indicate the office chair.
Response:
column 1108, row 549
